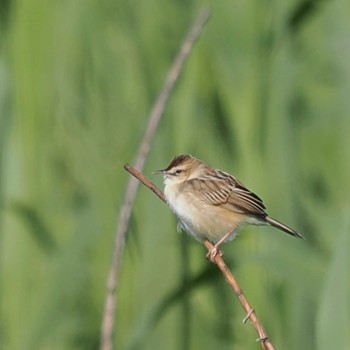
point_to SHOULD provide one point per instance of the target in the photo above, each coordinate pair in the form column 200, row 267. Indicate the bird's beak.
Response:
column 162, row 172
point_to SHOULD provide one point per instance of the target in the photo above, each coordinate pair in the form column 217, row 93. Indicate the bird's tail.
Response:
column 282, row 227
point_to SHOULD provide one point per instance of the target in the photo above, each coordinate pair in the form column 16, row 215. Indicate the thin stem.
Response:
column 131, row 190
column 250, row 311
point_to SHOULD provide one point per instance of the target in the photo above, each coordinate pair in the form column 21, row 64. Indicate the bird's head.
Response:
column 179, row 169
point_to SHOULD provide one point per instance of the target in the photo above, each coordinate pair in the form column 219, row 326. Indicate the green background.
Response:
column 265, row 95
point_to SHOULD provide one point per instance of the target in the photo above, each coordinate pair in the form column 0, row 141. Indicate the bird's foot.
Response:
column 211, row 255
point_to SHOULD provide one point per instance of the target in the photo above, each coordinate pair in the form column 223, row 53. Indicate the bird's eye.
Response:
column 178, row 171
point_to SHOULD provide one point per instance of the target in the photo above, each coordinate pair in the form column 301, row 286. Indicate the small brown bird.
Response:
column 211, row 204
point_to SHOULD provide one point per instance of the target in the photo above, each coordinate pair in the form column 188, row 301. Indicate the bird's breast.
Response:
column 201, row 220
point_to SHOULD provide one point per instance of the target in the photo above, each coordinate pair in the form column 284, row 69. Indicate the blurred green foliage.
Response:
column 264, row 95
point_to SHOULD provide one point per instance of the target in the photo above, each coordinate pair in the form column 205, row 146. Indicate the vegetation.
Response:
column 264, row 96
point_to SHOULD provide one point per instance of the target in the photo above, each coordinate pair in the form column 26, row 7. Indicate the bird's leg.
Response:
column 215, row 250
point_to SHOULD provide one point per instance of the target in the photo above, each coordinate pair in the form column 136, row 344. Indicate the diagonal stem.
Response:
column 250, row 311
column 131, row 190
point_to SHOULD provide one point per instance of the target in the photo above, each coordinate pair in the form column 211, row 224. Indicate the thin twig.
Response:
column 131, row 190
column 250, row 311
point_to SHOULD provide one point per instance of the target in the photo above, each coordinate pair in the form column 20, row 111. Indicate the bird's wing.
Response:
column 227, row 191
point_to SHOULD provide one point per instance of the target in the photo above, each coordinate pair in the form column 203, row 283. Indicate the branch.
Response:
column 132, row 186
column 251, row 315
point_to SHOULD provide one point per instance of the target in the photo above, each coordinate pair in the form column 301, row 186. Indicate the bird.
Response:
column 211, row 204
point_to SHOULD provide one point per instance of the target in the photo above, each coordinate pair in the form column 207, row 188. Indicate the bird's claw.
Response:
column 211, row 255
